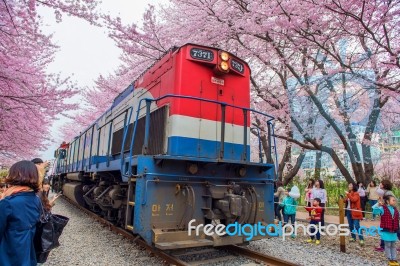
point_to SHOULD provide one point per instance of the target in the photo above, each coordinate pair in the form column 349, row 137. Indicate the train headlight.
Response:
column 224, row 66
column 224, row 56
column 223, row 62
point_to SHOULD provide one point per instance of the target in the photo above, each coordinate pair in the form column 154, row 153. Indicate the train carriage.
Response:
column 174, row 147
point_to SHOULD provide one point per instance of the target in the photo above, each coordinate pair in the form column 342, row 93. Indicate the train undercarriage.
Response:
column 160, row 206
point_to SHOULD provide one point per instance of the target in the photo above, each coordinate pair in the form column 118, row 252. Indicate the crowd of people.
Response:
column 382, row 201
column 25, row 192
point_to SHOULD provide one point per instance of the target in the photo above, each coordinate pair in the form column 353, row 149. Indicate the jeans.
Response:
column 390, row 250
column 354, row 225
column 278, row 212
column 286, row 218
column 312, row 230
column 372, row 203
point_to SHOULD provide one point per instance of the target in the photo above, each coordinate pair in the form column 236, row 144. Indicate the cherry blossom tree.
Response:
column 333, row 60
column 30, row 98
column 389, row 167
column 140, row 48
column 327, row 70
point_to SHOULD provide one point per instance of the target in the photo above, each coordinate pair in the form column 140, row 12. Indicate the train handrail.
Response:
column 210, row 101
column 132, row 142
column 126, row 128
column 147, row 126
column 259, row 144
column 276, row 153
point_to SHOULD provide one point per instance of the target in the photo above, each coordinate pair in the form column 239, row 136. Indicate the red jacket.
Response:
column 389, row 223
column 315, row 213
column 355, row 205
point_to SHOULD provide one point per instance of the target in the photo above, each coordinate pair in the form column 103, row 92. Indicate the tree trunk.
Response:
column 318, row 164
column 292, row 173
column 287, row 155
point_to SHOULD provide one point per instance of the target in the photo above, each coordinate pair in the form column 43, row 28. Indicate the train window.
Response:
column 63, row 154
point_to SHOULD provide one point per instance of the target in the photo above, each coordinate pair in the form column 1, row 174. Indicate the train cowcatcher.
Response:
column 174, row 147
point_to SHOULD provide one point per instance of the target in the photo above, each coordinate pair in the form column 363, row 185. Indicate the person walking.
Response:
column 372, row 196
column 20, row 211
column 353, row 212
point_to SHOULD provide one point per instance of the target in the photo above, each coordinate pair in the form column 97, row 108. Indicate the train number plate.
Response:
column 217, row 81
column 238, row 66
column 202, row 54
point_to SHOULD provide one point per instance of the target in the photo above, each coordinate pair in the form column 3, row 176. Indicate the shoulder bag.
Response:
column 48, row 231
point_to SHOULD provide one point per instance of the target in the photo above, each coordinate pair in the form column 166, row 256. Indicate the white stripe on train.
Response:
column 198, row 128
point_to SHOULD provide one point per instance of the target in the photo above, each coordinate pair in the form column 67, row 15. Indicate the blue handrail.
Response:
column 211, row 101
column 124, row 138
column 276, row 154
column 148, row 103
column 133, row 140
column 259, row 145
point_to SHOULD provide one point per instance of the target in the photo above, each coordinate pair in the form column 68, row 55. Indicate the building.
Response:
column 390, row 141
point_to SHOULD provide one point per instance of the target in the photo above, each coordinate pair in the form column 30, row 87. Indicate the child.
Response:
column 289, row 204
column 315, row 218
column 390, row 225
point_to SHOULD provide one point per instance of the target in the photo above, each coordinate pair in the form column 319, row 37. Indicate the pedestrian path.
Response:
column 334, row 219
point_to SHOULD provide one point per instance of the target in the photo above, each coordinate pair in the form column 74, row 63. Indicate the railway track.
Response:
column 220, row 255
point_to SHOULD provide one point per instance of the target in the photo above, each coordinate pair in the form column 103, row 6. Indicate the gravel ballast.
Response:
column 86, row 242
column 297, row 250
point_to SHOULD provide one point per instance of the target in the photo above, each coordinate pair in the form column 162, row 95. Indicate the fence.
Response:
column 341, row 214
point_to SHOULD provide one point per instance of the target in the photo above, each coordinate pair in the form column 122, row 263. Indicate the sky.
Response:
column 86, row 51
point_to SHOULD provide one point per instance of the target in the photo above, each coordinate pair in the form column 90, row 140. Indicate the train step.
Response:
column 184, row 244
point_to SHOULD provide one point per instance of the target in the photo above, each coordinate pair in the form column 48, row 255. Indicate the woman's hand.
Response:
column 53, row 199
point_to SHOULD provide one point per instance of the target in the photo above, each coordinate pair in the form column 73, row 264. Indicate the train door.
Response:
column 227, row 94
column 234, row 124
column 86, row 148
column 208, row 141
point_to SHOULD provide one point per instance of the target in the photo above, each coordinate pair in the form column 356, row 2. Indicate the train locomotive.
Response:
column 174, row 148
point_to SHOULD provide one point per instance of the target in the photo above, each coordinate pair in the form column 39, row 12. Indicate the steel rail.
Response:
column 257, row 256
column 126, row 234
column 170, row 259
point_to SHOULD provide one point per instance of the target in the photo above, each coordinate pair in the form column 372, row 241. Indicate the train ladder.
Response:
column 130, row 205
